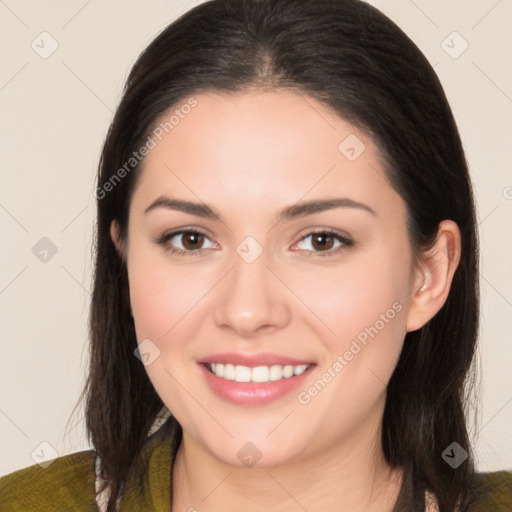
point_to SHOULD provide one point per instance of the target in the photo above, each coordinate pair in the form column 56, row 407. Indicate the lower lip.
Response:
column 253, row 393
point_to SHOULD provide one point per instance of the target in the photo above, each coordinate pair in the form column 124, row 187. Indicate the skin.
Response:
column 249, row 156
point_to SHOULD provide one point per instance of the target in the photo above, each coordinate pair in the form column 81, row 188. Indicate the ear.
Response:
column 115, row 236
column 433, row 277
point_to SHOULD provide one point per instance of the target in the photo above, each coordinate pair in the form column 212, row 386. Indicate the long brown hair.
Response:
column 355, row 60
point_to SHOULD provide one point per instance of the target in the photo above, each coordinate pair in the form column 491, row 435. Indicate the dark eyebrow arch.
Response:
column 294, row 211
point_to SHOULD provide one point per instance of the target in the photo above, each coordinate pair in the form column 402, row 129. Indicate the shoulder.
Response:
column 491, row 491
column 66, row 484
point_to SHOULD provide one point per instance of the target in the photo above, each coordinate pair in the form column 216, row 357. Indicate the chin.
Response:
column 244, row 451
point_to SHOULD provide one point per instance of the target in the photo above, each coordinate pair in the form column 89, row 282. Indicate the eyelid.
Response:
column 327, row 231
column 344, row 239
column 168, row 235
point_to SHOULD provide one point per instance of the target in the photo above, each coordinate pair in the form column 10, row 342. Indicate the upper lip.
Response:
column 252, row 360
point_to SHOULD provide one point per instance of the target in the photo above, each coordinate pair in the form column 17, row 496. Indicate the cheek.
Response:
column 363, row 304
column 353, row 296
column 163, row 298
column 162, row 294
column 368, row 318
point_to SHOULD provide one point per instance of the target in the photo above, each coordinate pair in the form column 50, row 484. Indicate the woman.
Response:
column 285, row 302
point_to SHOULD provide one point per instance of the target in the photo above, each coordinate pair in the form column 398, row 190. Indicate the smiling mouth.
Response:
column 256, row 374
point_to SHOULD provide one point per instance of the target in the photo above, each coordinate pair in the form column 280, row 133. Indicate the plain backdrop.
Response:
column 56, row 109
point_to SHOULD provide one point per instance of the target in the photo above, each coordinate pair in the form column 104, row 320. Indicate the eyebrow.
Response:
column 301, row 209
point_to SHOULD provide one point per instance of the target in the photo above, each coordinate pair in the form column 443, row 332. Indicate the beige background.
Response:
column 55, row 114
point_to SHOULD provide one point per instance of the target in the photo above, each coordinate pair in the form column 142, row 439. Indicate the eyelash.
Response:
column 345, row 243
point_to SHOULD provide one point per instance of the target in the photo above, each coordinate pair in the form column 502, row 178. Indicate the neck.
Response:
column 352, row 476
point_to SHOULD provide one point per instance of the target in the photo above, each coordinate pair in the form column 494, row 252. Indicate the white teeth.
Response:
column 242, row 374
column 300, row 369
column 229, row 372
column 258, row 374
column 276, row 372
column 287, row 371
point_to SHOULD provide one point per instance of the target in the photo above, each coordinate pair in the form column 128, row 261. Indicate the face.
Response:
column 271, row 319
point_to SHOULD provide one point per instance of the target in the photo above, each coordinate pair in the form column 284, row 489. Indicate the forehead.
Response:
column 260, row 147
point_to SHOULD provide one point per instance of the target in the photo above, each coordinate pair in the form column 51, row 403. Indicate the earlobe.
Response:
column 434, row 276
column 114, row 235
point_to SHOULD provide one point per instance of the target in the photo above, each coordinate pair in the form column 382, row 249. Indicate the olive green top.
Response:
column 68, row 484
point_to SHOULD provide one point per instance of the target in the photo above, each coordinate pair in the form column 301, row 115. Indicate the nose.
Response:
column 252, row 300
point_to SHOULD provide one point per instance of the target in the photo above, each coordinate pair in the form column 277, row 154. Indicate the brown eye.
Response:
column 192, row 240
column 185, row 242
column 322, row 241
column 325, row 243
